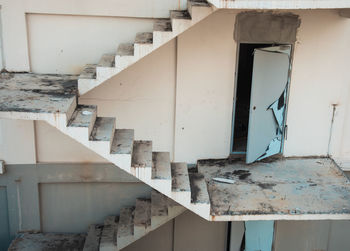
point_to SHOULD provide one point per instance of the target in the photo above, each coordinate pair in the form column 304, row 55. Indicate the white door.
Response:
column 268, row 101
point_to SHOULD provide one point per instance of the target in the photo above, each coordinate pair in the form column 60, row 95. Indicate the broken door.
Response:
column 267, row 102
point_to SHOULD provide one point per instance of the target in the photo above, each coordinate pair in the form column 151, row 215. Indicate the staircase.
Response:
column 145, row 42
column 118, row 146
column 133, row 223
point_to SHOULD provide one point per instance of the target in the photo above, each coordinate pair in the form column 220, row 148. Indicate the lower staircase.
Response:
column 118, row 231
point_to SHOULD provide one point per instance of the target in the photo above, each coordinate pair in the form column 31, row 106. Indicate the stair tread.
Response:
column 89, row 72
column 199, row 3
column 107, row 60
column 123, row 141
column 125, row 49
column 108, row 237
column 142, row 213
column 159, row 205
column 144, row 38
column 92, row 239
column 82, row 116
column 180, row 14
column 103, row 129
column 180, row 180
column 162, row 25
column 142, row 154
column 199, row 191
column 126, row 222
column 161, row 165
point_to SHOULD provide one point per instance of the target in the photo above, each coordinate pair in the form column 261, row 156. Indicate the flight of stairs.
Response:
column 132, row 223
column 118, row 146
column 145, row 42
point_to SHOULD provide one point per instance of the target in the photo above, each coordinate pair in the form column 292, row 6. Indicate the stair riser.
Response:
column 122, row 62
column 141, row 50
column 198, row 12
column 125, row 241
column 143, row 173
column 161, row 37
column 104, row 73
column 85, row 85
column 140, row 231
column 180, row 25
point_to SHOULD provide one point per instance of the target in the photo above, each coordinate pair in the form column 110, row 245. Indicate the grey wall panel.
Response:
column 4, row 220
column 71, row 207
column 339, row 236
column 301, row 235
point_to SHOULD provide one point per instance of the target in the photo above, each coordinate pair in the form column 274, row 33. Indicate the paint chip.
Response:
column 2, row 167
column 86, row 113
column 223, row 180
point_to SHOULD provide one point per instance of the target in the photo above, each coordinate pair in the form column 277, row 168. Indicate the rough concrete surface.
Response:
column 266, row 27
column 47, row 241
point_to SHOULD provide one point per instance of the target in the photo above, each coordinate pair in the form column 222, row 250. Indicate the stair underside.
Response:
column 295, row 189
column 273, row 4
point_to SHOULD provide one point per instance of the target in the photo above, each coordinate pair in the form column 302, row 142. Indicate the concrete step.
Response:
column 84, row 117
column 143, row 44
column 89, row 72
column 161, row 166
column 103, row 132
column 141, row 163
column 200, row 202
column 107, row 60
column 199, row 191
column 144, row 38
column 108, row 240
column 180, row 21
column 123, row 141
column 162, row 32
column 163, row 24
column 198, row 9
column 125, row 233
column 142, row 218
column 180, row 187
column 92, row 239
column 106, row 67
column 180, row 14
column 125, row 49
column 125, row 56
column 159, row 209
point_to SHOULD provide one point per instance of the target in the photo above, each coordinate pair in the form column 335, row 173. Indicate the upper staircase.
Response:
column 145, row 42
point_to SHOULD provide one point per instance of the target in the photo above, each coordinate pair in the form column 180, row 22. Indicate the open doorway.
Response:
column 262, row 80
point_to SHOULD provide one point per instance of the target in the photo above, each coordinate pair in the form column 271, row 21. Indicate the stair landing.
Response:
column 27, row 95
column 277, row 189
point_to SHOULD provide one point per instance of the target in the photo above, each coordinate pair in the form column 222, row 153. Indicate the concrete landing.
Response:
column 25, row 95
column 277, row 189
column 47, row 241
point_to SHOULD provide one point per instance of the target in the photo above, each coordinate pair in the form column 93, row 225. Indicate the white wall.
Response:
column 64, row 44
column 319, row 79
column 193, row 78
column 204, row 91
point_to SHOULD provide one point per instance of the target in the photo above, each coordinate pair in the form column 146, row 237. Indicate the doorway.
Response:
column 262, row 79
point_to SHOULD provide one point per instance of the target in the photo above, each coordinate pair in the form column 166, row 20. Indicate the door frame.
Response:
column 285, row 131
